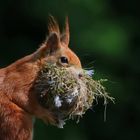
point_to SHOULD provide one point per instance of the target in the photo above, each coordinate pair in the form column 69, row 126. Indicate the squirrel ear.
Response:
column 49, row 47
column 65, row 37
column 52, row 43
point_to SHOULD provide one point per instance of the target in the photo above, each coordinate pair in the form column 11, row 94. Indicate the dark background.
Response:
column 105, row 34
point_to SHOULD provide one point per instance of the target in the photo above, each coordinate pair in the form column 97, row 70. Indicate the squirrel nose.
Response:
column 80, row 75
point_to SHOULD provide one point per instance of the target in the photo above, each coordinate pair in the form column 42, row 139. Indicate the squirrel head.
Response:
column 56, row 47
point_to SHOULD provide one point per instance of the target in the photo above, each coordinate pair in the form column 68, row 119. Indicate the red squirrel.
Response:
column 18, row 103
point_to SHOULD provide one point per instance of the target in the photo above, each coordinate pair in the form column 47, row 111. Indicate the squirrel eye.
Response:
column 63, row 59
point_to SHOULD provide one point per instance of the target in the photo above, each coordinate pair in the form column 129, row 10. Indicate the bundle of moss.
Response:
column 62, row 92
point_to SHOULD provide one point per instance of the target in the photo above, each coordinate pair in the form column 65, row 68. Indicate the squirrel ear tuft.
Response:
column 65, row 37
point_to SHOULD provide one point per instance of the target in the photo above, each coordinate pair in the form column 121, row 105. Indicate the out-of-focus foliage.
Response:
column 104, row 34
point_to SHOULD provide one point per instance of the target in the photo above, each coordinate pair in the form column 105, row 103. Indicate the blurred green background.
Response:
column 105, row 34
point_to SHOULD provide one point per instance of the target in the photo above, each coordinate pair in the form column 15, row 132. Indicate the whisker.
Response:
column 89, row 68
column 90, row 63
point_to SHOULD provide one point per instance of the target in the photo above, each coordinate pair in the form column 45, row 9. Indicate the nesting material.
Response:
column 65, row 94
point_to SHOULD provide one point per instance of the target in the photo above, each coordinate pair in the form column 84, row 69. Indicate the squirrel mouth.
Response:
column 66, row 95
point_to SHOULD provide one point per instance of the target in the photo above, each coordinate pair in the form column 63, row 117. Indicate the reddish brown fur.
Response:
column 18, row 103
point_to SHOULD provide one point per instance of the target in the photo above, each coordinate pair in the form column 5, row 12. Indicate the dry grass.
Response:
column 67, row 95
